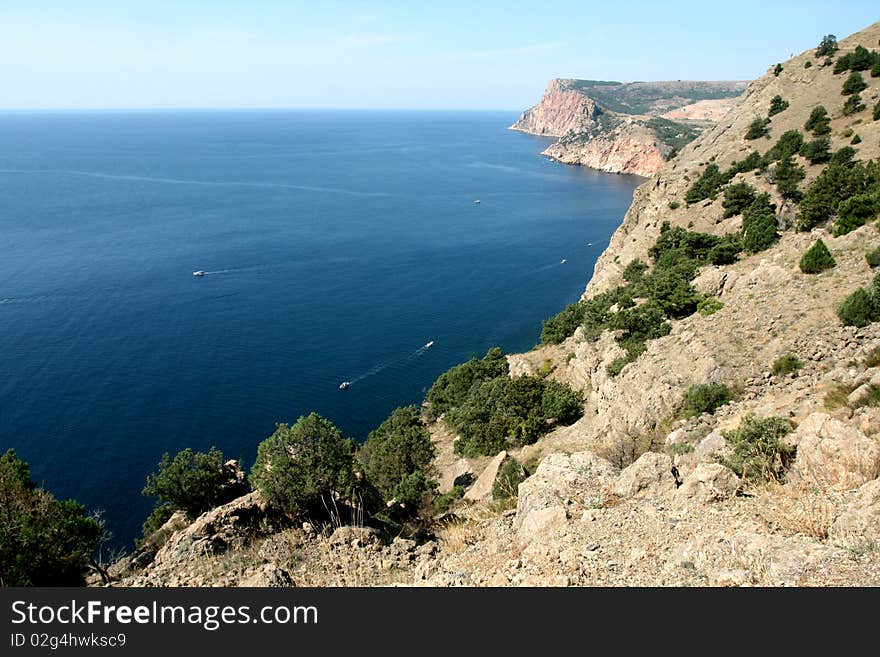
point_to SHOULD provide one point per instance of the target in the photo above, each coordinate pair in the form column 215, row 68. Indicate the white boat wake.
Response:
column 391, row 363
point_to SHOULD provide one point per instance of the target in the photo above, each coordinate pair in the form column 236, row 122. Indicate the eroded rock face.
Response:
column 481, row 490
column 561, row 482
column 709, row 482
column 833, row 453
column 559, row 111
column 859, row 524
column 628, row 149
column 650, row 476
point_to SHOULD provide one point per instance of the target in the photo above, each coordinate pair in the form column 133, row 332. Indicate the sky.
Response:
column 479, row 55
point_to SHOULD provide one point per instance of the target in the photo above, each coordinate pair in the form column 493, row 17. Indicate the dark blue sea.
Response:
column 335, row 245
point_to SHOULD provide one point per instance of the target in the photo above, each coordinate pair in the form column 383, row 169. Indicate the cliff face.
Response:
column 634, row 493
column 560, row 110
column 608, row 125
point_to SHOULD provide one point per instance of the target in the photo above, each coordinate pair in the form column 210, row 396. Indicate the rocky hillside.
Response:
column 735, row 445
column 625, row 128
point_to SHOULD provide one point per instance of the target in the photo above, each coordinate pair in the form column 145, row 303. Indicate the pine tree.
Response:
column 817, row 259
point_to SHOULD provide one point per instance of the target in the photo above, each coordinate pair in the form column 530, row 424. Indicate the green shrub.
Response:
column 706, row 185
column 860, row 308
column 758, row 453
column 757, row 128
column 510, row 412
column 817, row 151
column 854, row 84
column 674, row 205
column 818, row 123
column 777, row 105
column 856, row 140
column 451, row 387
column 777, row 70
column 726, row 251
column 861, row 59
column 704, row 398
column 510, row 475
column 876, row 115
column 788, row 144
column 158, row 517
column 398, row 457
column 875, row 68
column 841, row 180
column 307, row 469
column 753, row 161
column 856, row 211
column 616, row 366
column 759, row 225
column 709, row 306
column 827, row 47
column 43, row 541
column 635, row 271
column 817, row 259
column 808, row 64
column 443, row 502
column 853, row 105
column 786, row 364
column 737, row 197
column 788, row 174
column 194, row 482
column 873, row 257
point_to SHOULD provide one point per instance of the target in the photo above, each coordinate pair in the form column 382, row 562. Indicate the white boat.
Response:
column 563, row 261
column 476, row 200
column 198, row 273
column 430, row 344
column 344, row 385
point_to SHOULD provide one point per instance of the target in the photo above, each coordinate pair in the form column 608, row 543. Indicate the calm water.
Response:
column 335, row 245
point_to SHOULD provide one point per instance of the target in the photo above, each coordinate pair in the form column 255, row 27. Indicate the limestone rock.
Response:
column 270, row 575
column 354, row 536
column 481, row 490
column 710, row 281
column 712, row 445
column 833, row 453
column 650, row 476
column 859, row 524
column 709, row 482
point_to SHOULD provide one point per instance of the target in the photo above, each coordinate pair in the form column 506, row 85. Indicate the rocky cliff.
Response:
column 637, row 492
column 624, row 128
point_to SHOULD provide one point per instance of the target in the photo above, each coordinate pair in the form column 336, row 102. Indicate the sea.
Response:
column 335, row 246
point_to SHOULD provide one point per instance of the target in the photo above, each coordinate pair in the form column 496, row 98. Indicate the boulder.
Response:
column 709, row 482
column 481, row 490
column 354, row 536
column 859, row 524
column 269, row 575
column 650, row 476
column 712, row 445
column 560, row 481
column 833, row 453
column 710, row 281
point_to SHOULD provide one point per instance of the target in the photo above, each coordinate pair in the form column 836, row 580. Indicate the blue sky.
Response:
column 339, row 54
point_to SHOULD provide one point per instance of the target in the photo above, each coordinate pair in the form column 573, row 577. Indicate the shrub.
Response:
column 777, row 70
column 158, row 517
column 854, row 84
column 451, row 387
column 709, row 306
column 876, row 115
column 788, row 174
column 818, row 123
column 706, row 185
column 860, row 308
column 853, row 105
column 726, row 251
column 194, row 482
column 635, row 271
column 826, row 47
column 674, row 205
column 757, row 128
column 817, row 151
column 817, row 259
column 704, row 398
column 875, row 69
column 808, row 64
column 737, row 197
column 856, row 140
column 786, row 364
column 873, row 257
column 510, row 475
column 838, row 182
column 861, row 59
column 307, row 469
column 506, row 412
column 758, row 453
column 753, row 161
column 788, row 144
column 43, row 541
column 398, row 458
column 777, row 105
column 616, row 366
column 759, row 225
column 447, row 499
column 856, row 211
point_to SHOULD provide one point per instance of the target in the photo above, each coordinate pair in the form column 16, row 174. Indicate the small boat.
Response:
column 476, row 200
column 198, row 273
column 563, row 261
column 344, row 385
column 429, row 344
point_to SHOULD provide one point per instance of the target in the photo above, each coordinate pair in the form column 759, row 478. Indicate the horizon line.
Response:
column 254, row 109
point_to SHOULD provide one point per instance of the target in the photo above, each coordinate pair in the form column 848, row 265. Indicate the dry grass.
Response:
column 456, row 537
column 797, row 508
column 837, row 395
